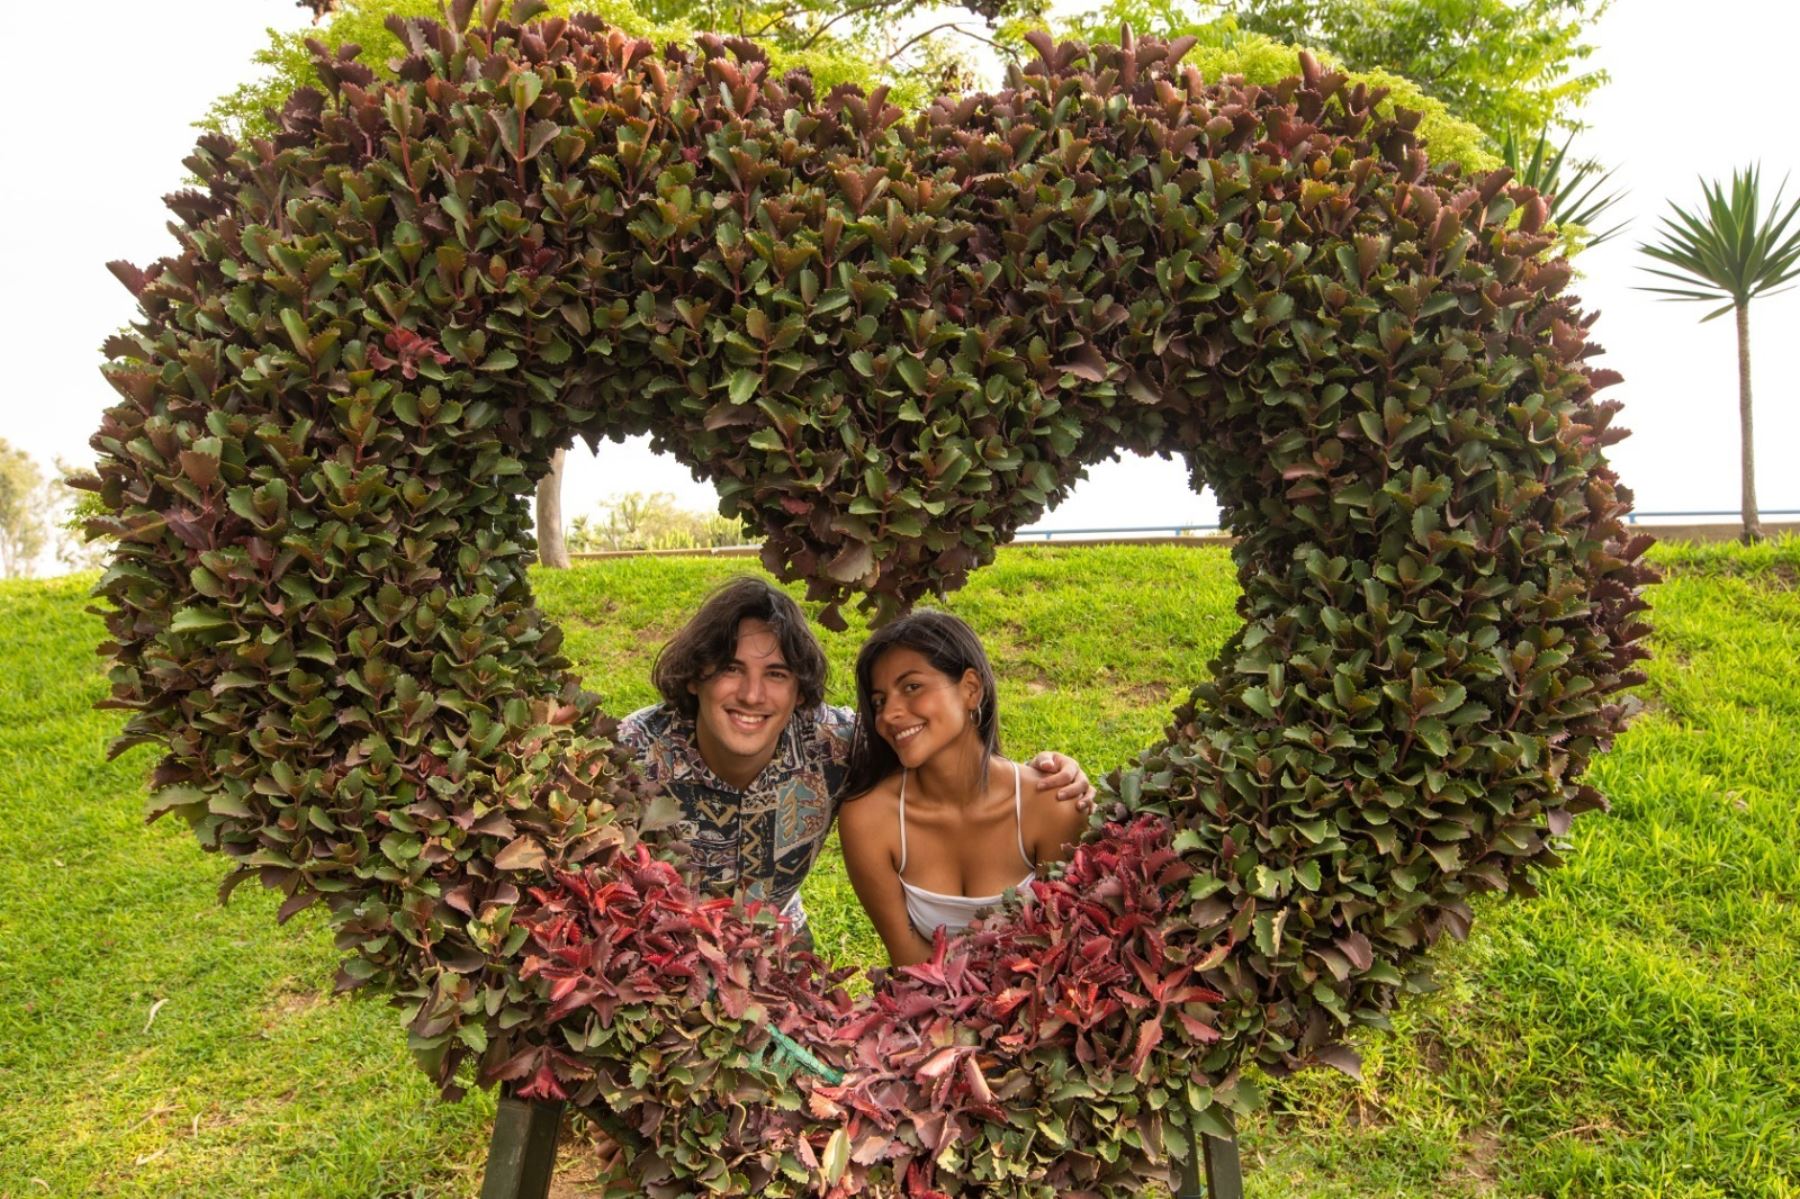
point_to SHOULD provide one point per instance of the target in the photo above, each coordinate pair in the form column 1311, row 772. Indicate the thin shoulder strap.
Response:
column 1019, row 813
column 902, row 869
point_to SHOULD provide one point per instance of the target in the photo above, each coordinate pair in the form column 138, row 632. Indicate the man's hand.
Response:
column 1066, row 776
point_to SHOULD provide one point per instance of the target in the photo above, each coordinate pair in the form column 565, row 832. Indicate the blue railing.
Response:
column 1139, row 531
column 1184, row 530
column 1734, row 513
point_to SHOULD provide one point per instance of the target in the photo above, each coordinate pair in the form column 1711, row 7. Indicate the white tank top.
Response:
column 928, row 910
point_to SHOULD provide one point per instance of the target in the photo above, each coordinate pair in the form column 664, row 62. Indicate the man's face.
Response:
column 745, row 705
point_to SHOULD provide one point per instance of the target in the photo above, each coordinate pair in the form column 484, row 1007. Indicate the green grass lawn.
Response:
column 1635, row 1031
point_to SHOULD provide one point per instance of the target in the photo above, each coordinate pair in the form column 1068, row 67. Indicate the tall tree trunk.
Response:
column 1746, row 427
column 551, row 550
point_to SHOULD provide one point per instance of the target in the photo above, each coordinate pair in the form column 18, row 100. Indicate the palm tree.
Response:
column 1570, row 187
column 1731, row 252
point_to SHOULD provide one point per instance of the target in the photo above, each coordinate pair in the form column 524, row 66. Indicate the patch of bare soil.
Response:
column 1147, row 693
column 290, row 1001
column 1367, row 1112
column 1478, row 1164
column 1431, row 1047
column 594, row 615
column 582, row 1158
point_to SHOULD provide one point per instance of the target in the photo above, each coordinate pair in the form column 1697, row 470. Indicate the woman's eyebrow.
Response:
column 874, row 691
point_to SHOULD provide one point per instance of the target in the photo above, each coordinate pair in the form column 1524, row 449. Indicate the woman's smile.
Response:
column 903, row 737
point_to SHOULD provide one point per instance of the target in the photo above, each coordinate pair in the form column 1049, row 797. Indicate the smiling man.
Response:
column 747, row 745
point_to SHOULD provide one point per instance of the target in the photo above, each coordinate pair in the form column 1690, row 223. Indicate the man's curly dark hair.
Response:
column 708, row 641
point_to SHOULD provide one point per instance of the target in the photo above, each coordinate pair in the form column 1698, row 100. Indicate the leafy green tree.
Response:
column 1730, row 252
column 23, row 528
column 69, row 508
column 1500, row 64
column 653, row 521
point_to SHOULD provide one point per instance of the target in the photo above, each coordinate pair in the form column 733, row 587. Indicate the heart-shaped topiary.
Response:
column 892, row 341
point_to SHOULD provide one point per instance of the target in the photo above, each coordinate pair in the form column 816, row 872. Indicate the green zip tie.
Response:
column 794, row 1050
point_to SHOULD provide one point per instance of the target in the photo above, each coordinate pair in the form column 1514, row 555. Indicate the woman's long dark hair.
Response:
column 951, row 647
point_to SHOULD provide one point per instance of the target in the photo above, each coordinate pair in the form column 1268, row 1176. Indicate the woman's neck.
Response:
column 954, row 775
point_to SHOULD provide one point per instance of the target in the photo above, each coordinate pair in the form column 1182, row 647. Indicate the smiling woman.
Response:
column 928, row 720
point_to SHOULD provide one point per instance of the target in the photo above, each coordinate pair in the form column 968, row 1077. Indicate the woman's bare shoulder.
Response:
column 878, row 803
column 1049, row 822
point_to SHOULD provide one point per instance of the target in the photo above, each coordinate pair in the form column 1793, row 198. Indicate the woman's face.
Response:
column 920, row 710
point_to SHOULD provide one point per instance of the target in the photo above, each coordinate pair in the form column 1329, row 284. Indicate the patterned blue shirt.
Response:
column 757, row 843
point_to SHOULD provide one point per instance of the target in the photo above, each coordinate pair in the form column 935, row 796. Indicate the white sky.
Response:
column 97, row 139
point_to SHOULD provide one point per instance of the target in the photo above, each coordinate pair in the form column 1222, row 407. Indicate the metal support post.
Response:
column 522, row 1153
column 1224, row 1176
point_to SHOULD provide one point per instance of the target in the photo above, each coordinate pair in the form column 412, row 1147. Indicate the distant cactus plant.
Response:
column 891, row 342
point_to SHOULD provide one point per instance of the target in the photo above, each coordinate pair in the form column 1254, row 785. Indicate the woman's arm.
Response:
column 868, row 832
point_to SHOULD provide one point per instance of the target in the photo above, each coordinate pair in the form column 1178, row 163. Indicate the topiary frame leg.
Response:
column 522, row 1153
column 1224, row 1175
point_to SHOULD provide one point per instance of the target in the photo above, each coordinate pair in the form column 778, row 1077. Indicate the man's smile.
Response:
column 749, row 722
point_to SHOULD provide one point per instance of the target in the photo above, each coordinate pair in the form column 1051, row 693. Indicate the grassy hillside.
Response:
column 1635, row 1031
